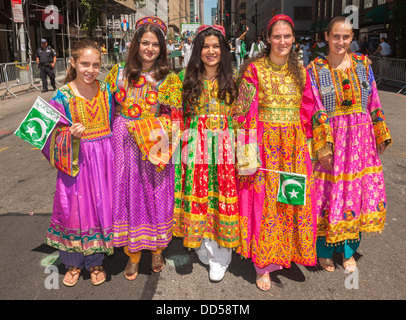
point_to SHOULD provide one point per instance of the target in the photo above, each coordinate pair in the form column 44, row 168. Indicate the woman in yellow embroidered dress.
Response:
column 276, row 92
column 148, row 96
column 206, row 206
column 349, row 135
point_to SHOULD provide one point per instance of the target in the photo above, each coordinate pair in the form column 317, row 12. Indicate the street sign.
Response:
column 18, row 14
column 125, row 25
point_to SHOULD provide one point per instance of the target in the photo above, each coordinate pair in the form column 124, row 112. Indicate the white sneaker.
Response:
column 202, row 255
column 217, row 272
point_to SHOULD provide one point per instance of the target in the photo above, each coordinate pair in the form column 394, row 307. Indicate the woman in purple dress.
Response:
column 148, row 97
column 81, row 223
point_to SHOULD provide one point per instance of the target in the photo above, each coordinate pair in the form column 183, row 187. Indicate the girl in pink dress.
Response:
column 349, row 134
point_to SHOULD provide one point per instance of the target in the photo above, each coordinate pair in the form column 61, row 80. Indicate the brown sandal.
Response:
column 94, row 273
column 73, row 272
column 131, row 270
column 157, row 263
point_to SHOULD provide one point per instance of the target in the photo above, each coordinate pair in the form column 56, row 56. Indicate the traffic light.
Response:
column 253, row 18
column 197, row 19
column 273, row 12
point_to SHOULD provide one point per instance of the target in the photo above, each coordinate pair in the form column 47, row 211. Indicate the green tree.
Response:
column 91, row 15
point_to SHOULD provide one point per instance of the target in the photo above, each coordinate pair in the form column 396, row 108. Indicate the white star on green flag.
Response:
column 38, row 123
column 292, row 188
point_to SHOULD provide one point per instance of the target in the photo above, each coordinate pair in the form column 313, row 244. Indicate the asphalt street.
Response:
column 30, row 270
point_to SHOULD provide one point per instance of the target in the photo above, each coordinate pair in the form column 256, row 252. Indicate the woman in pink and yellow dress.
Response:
column 275, row 93
column 349, row 135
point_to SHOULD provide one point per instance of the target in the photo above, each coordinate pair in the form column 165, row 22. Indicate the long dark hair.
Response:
column 77, row 48
column 194, row 77
column 295, row 69
column 133, row 65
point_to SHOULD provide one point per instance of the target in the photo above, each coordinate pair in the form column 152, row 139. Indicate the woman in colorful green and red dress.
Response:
column 206, row 205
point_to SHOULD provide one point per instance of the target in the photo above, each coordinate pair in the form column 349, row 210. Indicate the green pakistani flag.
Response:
column 292, row 188
column 38, row 123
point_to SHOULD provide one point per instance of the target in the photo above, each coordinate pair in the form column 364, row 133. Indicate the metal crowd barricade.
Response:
column 17, row 74
column 26, row 75
column 394, row 70
column 3, row 80
column 389, row 69
column 60, row 70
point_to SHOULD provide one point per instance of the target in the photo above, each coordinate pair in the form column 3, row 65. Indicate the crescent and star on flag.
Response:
column 31, row 130
column 293, row 193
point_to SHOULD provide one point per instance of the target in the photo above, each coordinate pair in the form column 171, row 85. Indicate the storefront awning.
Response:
column 43, row 14
column 377, row 15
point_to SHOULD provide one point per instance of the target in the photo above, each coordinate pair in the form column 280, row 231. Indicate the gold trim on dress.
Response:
column 347, row 176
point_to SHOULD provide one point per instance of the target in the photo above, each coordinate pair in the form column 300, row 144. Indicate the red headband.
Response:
column 214, row 26
column 279, row 17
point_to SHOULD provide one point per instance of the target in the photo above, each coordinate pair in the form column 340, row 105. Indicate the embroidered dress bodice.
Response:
column 278, row 96
column 209, row 103
column 93, row 114
column 343, row 91
column 138, row 100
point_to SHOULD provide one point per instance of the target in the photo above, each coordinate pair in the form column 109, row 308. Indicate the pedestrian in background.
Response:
column 81, row 222
column 187, row 52
column 170, row 47
column 349, row 135
column 383, row 49
column 275, row 94
column 364, row 46
column 103, row 48
column 306, row 52
column 256, row 48
column 319, row 48
column 299, row 53
column 240, row 49
column 46, row 59
column 206, row 207
column 148, row 98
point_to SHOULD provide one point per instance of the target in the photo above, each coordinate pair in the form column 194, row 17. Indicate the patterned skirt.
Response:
column 143, row 198
column 274, row 232
column 81, row 219
column 206, row 204
column 352, row 198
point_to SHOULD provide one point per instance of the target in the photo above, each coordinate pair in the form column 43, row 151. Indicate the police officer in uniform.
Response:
column 46, row 58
